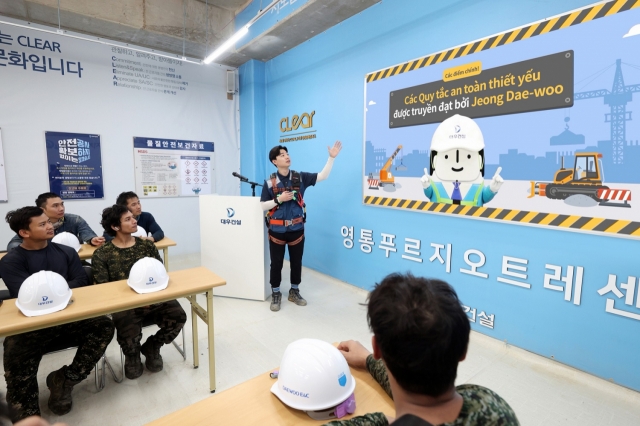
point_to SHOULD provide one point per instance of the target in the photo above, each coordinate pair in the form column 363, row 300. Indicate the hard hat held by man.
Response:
column 457, row 165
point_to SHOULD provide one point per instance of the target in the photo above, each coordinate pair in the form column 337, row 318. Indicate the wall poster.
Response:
column 75, row 165
column 555, row 102
column 173, row 168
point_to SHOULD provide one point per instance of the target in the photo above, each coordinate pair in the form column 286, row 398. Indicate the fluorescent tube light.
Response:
column 227, row 44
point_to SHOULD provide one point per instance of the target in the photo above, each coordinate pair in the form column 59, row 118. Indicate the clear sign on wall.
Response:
column 173, row 168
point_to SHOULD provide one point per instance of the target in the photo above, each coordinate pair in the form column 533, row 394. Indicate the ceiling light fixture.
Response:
column 238, row 34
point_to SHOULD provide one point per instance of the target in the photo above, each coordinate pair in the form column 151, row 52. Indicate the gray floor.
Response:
column 250, row 340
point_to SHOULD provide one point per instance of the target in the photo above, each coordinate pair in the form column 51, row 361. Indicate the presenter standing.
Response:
column 282, row 199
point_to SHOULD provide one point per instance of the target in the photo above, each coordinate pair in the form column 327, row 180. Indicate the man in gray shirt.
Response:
column 53, row 206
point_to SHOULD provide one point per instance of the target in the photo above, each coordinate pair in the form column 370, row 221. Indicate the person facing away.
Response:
column 23, row 352
column 282, row 197
column 54, row 208
column 146, row 220
column 113, row 262
column 420, row 334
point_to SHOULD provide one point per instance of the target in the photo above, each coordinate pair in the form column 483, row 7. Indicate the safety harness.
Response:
column 294, row 178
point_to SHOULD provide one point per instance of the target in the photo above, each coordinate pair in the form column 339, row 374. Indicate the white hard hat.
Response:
column 314, row 376
column 43, row 293
column 140, row 232
column 148, row 275
column 67, row 239
column 457, row 131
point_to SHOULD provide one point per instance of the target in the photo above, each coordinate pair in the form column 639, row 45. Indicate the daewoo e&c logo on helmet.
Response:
column 457, row 134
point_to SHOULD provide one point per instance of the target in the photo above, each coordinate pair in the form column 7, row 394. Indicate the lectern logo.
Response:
column 230, row 212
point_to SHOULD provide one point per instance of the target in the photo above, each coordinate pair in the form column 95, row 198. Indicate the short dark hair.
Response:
column 111, row 217
column 124, row 197
column 275, row 151
column 21, row 218
column 421, row 331
column 41, row 201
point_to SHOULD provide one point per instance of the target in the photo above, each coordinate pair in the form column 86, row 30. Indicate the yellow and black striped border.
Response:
column 542, row 27
column 561, row 221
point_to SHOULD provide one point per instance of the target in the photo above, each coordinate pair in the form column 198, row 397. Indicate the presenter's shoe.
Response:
column 151, row 352
column 294, row 296
column 276, row 297
column 133, row 366
column 60, row 386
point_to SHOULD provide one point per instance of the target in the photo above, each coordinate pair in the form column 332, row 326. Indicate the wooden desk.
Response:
column 252, row 403
column 87, row 250
column 102, row 299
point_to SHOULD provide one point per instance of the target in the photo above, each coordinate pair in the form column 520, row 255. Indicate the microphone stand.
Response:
column 253, row 186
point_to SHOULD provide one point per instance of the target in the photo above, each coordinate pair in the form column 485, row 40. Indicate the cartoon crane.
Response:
column 385, row 175
column 617, row 98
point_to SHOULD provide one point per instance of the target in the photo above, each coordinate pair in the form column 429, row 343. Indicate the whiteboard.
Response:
column 3, row 176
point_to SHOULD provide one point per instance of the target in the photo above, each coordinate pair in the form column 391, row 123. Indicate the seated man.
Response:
column 420, row 334
column 146, row 220
column 53, row 206
column 23, row 352
column 112, row 262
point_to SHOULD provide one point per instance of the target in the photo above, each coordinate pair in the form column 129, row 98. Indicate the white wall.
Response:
column 33, row 102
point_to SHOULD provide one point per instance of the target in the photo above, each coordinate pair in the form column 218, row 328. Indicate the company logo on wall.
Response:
column 74, row 150
column 299, row 124
column 230, row 212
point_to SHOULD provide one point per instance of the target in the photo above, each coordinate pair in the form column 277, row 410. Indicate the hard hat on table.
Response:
column 148, row 275
column 43, row 293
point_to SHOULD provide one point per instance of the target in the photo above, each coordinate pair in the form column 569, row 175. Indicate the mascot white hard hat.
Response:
column 67, row 239
column 43, row 293
column 148, row 275
column 457, row 131
column 140, row 232
column 314, row 377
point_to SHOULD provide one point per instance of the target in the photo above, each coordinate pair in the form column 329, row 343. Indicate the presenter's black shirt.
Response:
column 20, row 263
column 308, row 179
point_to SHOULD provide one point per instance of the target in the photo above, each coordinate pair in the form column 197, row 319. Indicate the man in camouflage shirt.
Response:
column 112, row 262
column 420, row 333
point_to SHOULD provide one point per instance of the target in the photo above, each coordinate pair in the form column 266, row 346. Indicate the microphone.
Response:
column 239, row 176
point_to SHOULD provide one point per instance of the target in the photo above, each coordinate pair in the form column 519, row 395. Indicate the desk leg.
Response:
column 194, row 331
column 212, row 356
column 165, row 254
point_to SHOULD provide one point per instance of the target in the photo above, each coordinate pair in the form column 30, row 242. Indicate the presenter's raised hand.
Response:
column 497, row 181
column 426, row 179
column 333, row 152
column 355, row 354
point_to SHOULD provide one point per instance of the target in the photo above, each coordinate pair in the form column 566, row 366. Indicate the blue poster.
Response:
column 75, row 165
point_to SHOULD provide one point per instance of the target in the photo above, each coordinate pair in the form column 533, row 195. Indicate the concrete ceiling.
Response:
column 190, row 28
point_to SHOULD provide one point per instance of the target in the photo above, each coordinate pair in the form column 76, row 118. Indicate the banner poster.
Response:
column 75, row 165
column 555, row 103
column 173, row 168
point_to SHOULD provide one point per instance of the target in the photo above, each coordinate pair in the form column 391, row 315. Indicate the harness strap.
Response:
column 280, row 222
column 282, row 242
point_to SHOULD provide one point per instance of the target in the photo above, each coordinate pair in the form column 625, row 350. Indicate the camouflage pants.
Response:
column 23, row 352
column 169, row 316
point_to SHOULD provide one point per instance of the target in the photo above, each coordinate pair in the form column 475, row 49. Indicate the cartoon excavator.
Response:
column 586, row 178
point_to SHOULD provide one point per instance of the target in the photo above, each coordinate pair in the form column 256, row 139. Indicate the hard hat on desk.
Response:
column 43, row 293
column 314, row 377
column 148, row 275
column 67, row 239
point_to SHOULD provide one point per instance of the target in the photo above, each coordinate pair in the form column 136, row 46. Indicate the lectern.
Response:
column 233, row 240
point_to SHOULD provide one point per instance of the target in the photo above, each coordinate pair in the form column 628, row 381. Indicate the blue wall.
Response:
column 326, row 74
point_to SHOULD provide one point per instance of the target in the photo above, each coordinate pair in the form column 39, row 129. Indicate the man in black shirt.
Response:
column 23, row 352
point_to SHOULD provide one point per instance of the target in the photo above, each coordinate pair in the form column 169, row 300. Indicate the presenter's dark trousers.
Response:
column 276, row 250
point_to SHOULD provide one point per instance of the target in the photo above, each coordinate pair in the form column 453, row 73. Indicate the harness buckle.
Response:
column 288, row 223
